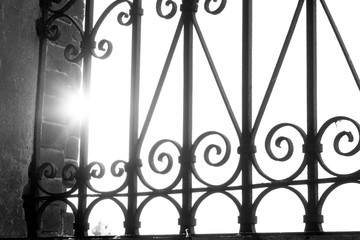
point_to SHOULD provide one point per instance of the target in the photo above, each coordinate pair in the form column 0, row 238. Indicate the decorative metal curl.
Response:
column 63, row 9
column 341, row 135
column 280, row 140
column 162, row 156
column 168, row 3
column 217, row 148
column 48, row 170
column 116, row 171
column 73, row 53
column 52, row 32
column 122, row 16
column 217, row 10
column 69, row 172
column 105, row 45
column 93, row 172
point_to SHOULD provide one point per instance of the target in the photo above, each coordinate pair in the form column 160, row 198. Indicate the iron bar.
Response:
column 273, row 185
column 132, row 227
column 186, row 222
column 246, row 219
column 81, row 226
column 312, row 219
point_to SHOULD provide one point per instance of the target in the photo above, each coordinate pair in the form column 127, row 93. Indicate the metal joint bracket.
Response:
column 137, row 11
column 87, row 45
column 136, row 224
column 247, row 220
column 189, row 6
column 192, row 222
column 317, row 148
column 243, row 150
column 79, row 226
column 40, row 29
column 136, row 163
column 317, row 218
column 192, row 160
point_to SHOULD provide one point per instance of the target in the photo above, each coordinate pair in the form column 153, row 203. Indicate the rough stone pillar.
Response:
column 18, row 75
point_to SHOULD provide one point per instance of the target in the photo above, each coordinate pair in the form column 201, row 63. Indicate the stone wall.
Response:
column 58, row 135
column 18, row 75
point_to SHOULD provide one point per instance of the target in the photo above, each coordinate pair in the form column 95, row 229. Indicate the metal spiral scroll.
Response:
column 75, row 53
column 173, row 7
column 224, row 155
column 217, row 10
column 105, row 45
column 69, row 172
column 161, row 157
column 49, row 171
column 115, row 169
column 336, row 144
column 168, row 3
column 63, row 8
column 52, row 32
column 278, row 143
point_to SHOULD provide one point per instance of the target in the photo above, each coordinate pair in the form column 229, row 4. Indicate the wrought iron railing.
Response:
column 241, row 179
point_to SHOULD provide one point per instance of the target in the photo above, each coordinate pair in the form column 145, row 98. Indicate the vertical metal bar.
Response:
column 246, row 219
column 131, row 224
column 81, row 226
column 185, row 221
column 312, row 218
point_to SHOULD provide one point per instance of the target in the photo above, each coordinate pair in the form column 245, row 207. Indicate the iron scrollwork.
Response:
column 338, row 138
column 104, row 45
column 117, row 171
column 173, row 7
column 161, row 157
column 215, row 147
column 223, row 154
column 216, row 11
column 279, row 143
column 88, row 44
column 49, row 171
column 280, row 140
column 215, row 155
column 168, row 3
column 97, row 170
column 69, row 172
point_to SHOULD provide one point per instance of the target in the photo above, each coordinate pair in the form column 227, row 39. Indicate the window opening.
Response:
column 195, row 106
